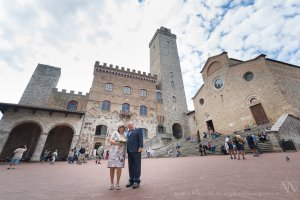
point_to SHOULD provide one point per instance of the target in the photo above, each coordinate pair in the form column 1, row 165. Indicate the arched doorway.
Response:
column 177, row 130
column 60, row 139
column 23, row 134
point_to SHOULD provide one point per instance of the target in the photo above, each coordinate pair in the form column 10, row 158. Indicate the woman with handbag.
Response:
column 116, row 160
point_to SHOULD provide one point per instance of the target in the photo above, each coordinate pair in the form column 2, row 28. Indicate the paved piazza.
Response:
column 269, row 176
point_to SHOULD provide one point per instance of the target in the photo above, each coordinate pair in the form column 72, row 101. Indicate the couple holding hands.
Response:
column 132, row 142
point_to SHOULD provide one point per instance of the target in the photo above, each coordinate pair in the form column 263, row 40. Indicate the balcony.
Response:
column 125, row 114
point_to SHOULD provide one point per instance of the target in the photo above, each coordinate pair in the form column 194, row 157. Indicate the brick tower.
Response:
column 164, row 61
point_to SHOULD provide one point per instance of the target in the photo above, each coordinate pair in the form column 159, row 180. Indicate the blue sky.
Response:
column 73, row 34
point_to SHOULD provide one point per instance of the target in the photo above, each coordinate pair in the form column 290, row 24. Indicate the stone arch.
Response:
column 60, row 138
column 213, row 67
column 177, row 130
column 24, row 133
column 61, row 124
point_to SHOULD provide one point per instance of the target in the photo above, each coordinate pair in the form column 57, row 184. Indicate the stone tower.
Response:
column 40, row 86
column 164, row 61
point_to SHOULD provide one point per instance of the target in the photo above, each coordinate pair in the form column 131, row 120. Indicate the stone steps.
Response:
column 188, row 148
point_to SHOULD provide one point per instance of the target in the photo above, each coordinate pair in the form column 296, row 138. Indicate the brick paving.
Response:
column 269, row 176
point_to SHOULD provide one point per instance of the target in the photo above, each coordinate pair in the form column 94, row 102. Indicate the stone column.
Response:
column 74, row 141
column 39, row 147
column 3, row 138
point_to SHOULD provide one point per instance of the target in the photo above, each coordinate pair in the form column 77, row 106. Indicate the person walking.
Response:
column 251, row 144
column 239, row 142
column 99, row 154
column 81, row 156
column 44, row 156
column 17, row 157
column 229, row 147
column 134, row 150
column 54, row 157
column 71, row 157
column 116, row 160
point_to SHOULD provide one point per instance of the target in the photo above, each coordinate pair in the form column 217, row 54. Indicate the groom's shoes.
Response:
column 129, row 184
column 135, row 185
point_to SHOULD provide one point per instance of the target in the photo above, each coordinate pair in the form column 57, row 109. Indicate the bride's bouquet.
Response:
column 122, row 140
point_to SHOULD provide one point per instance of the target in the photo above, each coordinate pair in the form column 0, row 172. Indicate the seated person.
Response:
column 178, row 153
column 211, row 147
column 264, row 135
column 261, row 138
column 223, row 150
column 247, row 128
column 202, row 149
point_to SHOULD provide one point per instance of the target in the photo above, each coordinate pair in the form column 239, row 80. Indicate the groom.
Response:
column 134, row 150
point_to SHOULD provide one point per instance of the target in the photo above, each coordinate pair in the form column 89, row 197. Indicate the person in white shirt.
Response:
column 17, row 157
column 54, row 157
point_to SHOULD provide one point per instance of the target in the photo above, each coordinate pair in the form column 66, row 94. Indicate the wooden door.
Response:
column 259, row 114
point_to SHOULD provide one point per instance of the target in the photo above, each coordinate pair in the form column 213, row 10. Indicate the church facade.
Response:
column 46, row 118
column 239, row 93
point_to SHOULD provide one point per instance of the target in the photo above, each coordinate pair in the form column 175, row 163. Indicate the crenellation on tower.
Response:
column 123, row 72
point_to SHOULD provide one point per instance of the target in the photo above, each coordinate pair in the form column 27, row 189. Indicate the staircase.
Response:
column 189, row 149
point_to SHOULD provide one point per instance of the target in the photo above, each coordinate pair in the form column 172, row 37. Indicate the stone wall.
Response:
column 46, row 121
column 288, row 81
column 61, row 99
column 193, row 124
column 290, row 130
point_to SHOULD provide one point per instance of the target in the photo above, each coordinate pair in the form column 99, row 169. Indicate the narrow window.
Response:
column 174, row 99
column 159, row 96
column 143, row 110
column 172, row 84
column 145, row 133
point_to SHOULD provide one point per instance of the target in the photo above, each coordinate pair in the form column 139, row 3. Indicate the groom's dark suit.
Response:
column 134, row 142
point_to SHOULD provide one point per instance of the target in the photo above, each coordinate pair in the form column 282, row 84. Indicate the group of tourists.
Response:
column 46, row 155
column 211, row 133
column 235, row 145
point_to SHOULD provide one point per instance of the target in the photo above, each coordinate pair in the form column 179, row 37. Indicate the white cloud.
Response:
column 74, row 34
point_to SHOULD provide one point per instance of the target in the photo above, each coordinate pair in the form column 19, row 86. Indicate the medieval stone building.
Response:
column 46, row 118
column 239, row 93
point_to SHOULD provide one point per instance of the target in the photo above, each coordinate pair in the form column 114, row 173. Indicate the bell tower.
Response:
column 164, row 61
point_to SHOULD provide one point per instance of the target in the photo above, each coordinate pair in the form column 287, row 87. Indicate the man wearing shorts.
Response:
column 17, row 157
